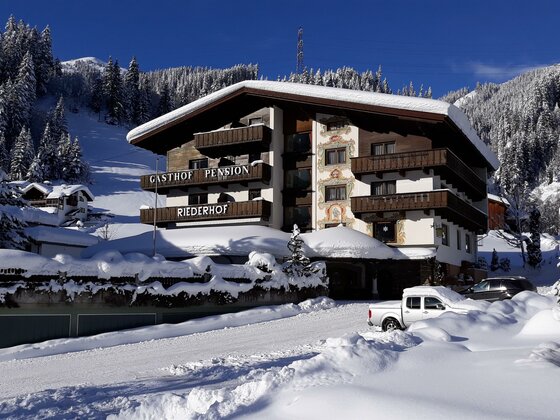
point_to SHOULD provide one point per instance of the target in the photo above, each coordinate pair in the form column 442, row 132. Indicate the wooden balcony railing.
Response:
column 444, row 202
column 207, row 176
column 50, row 202
column 233, row 136
column 216, row 211
column 444, row 162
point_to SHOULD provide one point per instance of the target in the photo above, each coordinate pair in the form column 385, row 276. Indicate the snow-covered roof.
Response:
column 57, row 191
column 381, row 100
column 339, row 242
column 498, row 199
column 59, row 235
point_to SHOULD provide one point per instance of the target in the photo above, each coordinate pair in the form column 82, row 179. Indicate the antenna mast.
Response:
column 299, row 65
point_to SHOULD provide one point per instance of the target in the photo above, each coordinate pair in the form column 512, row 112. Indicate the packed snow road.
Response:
column 147, row 360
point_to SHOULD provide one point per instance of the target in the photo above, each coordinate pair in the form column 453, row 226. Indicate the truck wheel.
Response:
column 391, row 324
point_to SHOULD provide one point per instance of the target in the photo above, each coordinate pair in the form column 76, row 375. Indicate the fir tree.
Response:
column 132, row 92
column 113, row 90
column 534, row 256
column 57, row 121
column 46, row 164
column 12, row 222
column 164, row 105
column 298, row 263
column 4, row 155
column 22, row 155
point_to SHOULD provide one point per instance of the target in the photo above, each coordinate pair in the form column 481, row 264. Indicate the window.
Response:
column 195, row 199
column 298, row 215
column 298, row 178
column 300, row 143
column 385, row 231
column 413, row 302
column 198, row 163
column 483, row 286
column 468, row 243
column 225, row 198
column 335, row 193
column 255, row 120
column 433, row 303
column 254, row 156
column 384, row 188
column 459, row 240
column 335, row 156
column 378, row 149
column 444, row 235
column 254, row 193
column 336, row 125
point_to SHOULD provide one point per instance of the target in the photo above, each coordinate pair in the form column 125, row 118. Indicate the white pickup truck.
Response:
column 419, row 302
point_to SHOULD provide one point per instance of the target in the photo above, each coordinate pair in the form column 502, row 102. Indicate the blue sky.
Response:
column 444, row 44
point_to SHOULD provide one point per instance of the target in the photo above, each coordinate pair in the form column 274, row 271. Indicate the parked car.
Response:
column 418, row 303
column 498, row 288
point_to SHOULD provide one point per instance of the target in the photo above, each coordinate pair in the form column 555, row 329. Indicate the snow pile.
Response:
column 336, row 361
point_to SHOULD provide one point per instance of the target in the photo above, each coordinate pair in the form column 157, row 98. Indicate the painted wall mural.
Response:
column 336, row 138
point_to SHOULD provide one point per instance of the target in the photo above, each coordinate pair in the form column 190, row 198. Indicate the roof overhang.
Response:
column 177, row 127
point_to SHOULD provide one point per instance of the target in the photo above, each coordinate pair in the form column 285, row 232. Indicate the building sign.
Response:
column 202, row 211
column 199, row 175
column 172, row 177
column 226, row 171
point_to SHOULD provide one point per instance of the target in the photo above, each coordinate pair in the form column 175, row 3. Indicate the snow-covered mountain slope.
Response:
column 116, row 167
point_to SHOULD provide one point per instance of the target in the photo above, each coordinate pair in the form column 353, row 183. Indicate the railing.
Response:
column 233, row 136
column 444, row 202
column 50, row 202
column 207, row 176
column 443, row 160
column 217, row 211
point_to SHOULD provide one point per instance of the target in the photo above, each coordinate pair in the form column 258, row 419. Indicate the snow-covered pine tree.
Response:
column 4, row 155
column 534, row 255
column 22, row 155
column 46, row 164
column 298, row 263
column 132, row 92
column 113, row 90
column 96, row 100
column 12, row 223
column 45, row 64
column 77, row 169
column 164, row 105
column 57, row 121
column 63, row 151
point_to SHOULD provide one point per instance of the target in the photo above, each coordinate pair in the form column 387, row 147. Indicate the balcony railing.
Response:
column 207, row 176
column 203, row 212
column 444, row 202
column 233, row 137
column 443, row 161
column 49, row 202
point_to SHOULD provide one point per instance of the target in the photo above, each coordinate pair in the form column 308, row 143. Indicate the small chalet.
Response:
column 65, row 203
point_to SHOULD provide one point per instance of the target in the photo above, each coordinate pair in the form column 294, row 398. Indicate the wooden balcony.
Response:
column 49, row 202
column 208, row 212
column 241, row 174
column 444, row 163
column 443, row 202
column 221, row 141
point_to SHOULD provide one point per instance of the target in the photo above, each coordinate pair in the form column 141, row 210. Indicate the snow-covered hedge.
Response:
column 135, row 275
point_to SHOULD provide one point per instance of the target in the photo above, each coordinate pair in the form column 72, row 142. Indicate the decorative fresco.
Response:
column 342, row 136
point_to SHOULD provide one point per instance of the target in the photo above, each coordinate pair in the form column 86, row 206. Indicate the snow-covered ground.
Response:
column 314, row 360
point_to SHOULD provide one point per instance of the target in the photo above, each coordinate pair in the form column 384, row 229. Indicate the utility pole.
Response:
column 299, row 64
column 155, row 206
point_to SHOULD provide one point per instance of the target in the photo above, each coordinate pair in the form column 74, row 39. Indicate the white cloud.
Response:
column 501, row 72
